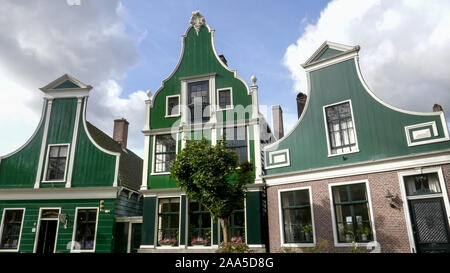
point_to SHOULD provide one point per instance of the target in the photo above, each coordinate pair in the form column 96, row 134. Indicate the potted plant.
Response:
column 167, row 242
column 307, row 230
column 348, row 233
column 363, row 233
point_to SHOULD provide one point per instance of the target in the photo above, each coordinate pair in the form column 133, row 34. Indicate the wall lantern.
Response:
column 390, row 198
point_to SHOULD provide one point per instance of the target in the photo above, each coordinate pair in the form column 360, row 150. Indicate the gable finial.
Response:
column 197, row 20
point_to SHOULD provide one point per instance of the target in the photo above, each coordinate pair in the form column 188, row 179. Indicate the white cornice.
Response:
column 59, row 193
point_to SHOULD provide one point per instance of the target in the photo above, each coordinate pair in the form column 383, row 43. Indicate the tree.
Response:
column 211, row 175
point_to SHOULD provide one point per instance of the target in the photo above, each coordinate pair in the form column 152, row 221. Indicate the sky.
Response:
column 125, row 48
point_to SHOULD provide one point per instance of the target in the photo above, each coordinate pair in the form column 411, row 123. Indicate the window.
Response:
column 198, row 101
column 296, row 216
column 236, row 140
column 237, row 224
column 168, row 221
column 341, row 131
column 199, row 224
column 56, row 166
column 173, row 106
column 422, row 184
column 165, row 149
column 351, row 208
column 225, row 99
column 11, row 229
column 85, row 229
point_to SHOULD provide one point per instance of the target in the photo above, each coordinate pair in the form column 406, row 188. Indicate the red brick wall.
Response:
column 390, row 223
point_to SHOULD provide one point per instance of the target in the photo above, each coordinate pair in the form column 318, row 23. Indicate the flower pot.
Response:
column 364, row 237
column 348, row 237
column 308, row 237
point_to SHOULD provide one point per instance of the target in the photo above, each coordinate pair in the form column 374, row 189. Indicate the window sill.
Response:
column 224, row 109
column 166, row 173
column 173, row 116
column 9, row 250
column 352, row 152
column 365, row 244
column 298, row 245
column 53, row 181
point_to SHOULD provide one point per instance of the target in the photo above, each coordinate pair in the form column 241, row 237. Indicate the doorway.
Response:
column 47, row 231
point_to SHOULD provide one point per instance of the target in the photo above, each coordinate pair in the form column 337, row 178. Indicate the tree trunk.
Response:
column 226, row 229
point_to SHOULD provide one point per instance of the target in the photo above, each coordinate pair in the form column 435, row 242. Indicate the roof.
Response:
column 130, row 165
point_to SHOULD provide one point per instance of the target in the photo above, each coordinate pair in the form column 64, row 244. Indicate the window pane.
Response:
column 164, row 153
column 341, row 134
column 236, row 140
column 54, row 151
column 422, row 184
column 173, row 106
column 199, row 225
column 224, row 98
column 56, row 162
column 198, row 101
column 12, row 224
column 358, row 192
column 168, row 221
column 63, row 151
column 85, row 231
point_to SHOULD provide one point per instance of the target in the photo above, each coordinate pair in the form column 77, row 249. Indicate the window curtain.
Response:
column 433, row 184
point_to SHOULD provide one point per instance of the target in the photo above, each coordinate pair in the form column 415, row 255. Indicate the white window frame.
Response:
column 280, row 214
column 72, row 249
column 180, row 245
column 154, row 153
column 21, row 228
column 44, row 179
column 328, row 134
column 231, row 107
column 36, row 237
column 443, row 194
column 167, row 106
column 333, row 214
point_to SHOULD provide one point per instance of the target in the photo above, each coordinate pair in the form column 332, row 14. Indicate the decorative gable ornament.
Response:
column 197, row 21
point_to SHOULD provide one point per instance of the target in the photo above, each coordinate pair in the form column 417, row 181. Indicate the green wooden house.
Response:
column 355, row 169
column 70, row 187
column 202, row 97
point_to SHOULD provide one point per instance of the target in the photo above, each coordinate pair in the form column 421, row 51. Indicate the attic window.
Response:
column 173, row 106
column 56, row 163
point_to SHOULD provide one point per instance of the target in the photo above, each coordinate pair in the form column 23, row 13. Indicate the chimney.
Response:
column 437, row 108
column 222, row 58
column 120, row 133
column 277, row 118
column 301, row 101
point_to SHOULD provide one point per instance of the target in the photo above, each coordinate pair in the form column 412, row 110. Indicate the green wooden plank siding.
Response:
column 19, row 170
column 105, row 223
column 379, row 129
column 62, row 119
column 329, row 52
column 198, row 59
column 253, row 214
column 93, row 167
column 148, row 223
column 127, row 206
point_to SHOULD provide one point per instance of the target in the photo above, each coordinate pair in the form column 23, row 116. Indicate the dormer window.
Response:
column 340, row 129
column 173, row 106
column 56, row 163
column 198, row 101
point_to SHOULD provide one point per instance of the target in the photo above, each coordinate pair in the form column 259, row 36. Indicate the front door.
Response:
column 47, row 236
column 430, row 225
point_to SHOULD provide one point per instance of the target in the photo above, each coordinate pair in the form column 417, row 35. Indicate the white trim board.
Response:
column 421, row 160
column 21, row 228
column 59, row 193
column 43, row 144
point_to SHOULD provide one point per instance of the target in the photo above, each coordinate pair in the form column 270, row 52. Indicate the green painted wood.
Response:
column 198, row 59
column 19, row 170
column 148, row 221
column 93, row 166
column 62, row 119
column 66, row 84
column 329, row 52
column 104, row 230
column 253, row 214
column 183, row 220
column 127, row 206
column 379, row 129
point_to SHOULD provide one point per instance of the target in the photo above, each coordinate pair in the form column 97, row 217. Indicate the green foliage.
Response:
column 307, row 229
column 211, row 176
column 364, row 230
column 321, row 247
column 235, row 246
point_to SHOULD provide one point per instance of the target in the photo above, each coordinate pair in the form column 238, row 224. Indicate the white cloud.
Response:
column 40, row 41
column 405, row 48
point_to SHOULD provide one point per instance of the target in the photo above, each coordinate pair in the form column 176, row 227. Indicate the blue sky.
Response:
column 253, row 36
column 124, row 48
